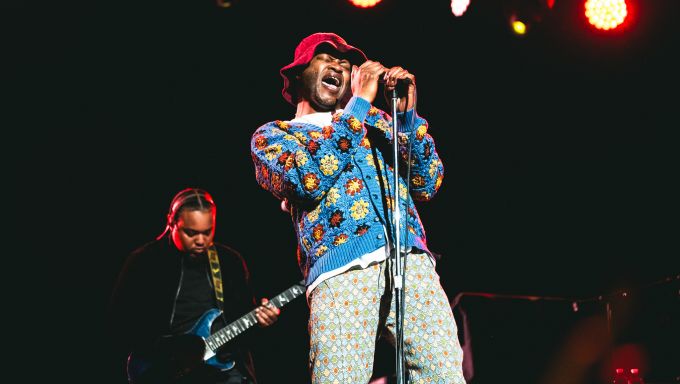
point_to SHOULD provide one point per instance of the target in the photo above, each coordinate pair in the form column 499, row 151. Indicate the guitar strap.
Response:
column 216, row 276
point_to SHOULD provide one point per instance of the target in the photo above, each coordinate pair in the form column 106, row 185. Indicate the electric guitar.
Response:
column 175, row 364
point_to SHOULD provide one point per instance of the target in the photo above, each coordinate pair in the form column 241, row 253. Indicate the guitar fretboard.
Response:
column 224, row 335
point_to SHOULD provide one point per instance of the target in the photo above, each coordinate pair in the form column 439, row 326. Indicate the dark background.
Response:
column 561, row 163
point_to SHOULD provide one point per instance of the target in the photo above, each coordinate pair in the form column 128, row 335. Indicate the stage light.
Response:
column 630, row 361
column 524, row 15
column 458, row 7
column 619, row 377
column 606, row 14
column 364, row 3
column 518, row 26
column 226, row 3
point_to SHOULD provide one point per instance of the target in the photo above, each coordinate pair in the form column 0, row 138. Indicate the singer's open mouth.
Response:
column 332, row 81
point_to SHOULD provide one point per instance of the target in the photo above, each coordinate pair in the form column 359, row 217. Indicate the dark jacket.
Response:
column 143, row 300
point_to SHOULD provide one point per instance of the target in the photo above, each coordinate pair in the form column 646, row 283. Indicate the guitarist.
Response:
column 164, row 288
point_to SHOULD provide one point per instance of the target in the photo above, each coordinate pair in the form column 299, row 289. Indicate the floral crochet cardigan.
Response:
column 338, row 184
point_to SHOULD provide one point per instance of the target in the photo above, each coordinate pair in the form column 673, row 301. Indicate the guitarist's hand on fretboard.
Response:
column 267, row 313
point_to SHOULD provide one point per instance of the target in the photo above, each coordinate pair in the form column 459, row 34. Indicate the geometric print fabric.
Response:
column 348, row 310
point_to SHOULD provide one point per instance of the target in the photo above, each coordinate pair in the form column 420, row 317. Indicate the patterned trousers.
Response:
column 349, row 311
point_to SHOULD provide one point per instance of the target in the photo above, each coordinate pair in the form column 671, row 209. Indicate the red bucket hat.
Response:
column 304, row 53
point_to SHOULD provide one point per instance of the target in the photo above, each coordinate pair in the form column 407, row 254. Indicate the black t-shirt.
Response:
column 195, row 296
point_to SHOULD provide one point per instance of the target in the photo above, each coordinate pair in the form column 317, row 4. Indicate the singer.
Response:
column 331, row 167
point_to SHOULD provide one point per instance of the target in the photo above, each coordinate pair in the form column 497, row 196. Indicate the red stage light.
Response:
column 606, row 14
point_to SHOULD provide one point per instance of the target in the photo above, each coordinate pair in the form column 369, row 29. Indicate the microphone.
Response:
column 400, row 82
column 401, row 88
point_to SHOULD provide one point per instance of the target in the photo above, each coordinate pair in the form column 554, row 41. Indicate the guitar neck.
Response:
column 246, row 321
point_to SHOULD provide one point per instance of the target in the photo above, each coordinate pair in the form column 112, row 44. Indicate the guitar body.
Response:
column 183, row 358
column 202, row 329
column 183, row 354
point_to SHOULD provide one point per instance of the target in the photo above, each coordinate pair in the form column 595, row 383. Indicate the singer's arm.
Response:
column 301, row 162
column 427, row 170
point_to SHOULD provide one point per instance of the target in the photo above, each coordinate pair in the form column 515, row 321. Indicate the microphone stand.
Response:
column 398, row 273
